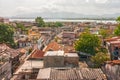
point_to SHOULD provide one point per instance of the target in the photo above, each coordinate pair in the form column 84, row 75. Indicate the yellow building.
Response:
column 34, row 34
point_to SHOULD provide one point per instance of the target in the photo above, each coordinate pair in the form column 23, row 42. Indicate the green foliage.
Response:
column 6, row 34
column 103, row 49
column 30, row 50
column 40, row 22
column 56, row 24
column 117, row 30
column 88, row 43
column 99, row 59
column 21, row 26
column 118, row 19
column 105, row 33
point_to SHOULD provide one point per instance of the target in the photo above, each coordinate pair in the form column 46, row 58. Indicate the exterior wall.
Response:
column 60, row 61
column 23, row 44
column 53, row 61
column 111, row 50
column 15, row 63
column 5, row 71
column 112, row 71
column 71, row 61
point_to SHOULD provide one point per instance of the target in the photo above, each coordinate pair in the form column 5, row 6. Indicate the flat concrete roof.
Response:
column 54, row 53
column 71, row 55
column 30, row 64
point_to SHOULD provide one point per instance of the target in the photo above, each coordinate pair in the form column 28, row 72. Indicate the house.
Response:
column 33, row 34
column 68, row 38
column 70, row 74
column 112, row 69
column 43, row 41
column 4, row 20
column 67, row 29
column 5, row 70
column 23, row 41
column 113, row 46
column 94, row 30
column 12, row 54
column 36, row 55
column 59, row 67
column 5, row 63
column 60, row 59
column 53, row 46
column 29, row 69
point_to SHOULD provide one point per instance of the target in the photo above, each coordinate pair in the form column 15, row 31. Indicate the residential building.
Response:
column 70, row 74
column 12, row 54
column 5, row 69
column 112, row 70
column 113, row 46
column 60, row 59
column 4, row 20
column 33, row 34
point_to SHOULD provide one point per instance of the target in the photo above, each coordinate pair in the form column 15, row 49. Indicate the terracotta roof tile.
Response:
column 116, row 62
column 37, row 54
column 54, row 46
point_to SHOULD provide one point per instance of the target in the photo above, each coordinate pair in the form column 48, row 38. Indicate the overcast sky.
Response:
column 92, row 7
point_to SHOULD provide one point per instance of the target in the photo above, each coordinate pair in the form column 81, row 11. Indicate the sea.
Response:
column 66, row 20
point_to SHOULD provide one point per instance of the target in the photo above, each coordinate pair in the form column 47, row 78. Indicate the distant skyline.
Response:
column 31, row 8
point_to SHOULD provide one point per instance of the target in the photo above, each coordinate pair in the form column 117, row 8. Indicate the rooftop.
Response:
column 71, row 74
column 4, row 49
column 71, row 55
column 114, row 62
column 53, row 46
column 37, row 54
column 30, row 64
column 54, row 53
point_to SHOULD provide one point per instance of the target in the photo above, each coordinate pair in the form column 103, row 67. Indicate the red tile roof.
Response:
column 112, row 39
column 37, row 54
column 54, row 46
column 114, row 62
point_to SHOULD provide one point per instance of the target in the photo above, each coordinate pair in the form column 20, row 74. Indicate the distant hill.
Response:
column 64, row 15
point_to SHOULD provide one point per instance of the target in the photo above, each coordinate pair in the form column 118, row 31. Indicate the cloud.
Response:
column 92, row 7
column 87, row 0
column 101, row 1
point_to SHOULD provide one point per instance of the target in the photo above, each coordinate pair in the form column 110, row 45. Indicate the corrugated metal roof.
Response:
column 72, row 74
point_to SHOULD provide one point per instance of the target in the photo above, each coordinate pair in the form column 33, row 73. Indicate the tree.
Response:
column 117, row 30
column 6, row 34
column 105, row 33
column 40, row 22
column 58, row 24
column 21, row 26
column 118, row 19
column 88, row 43
column 54, row 24
column 99, row 59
